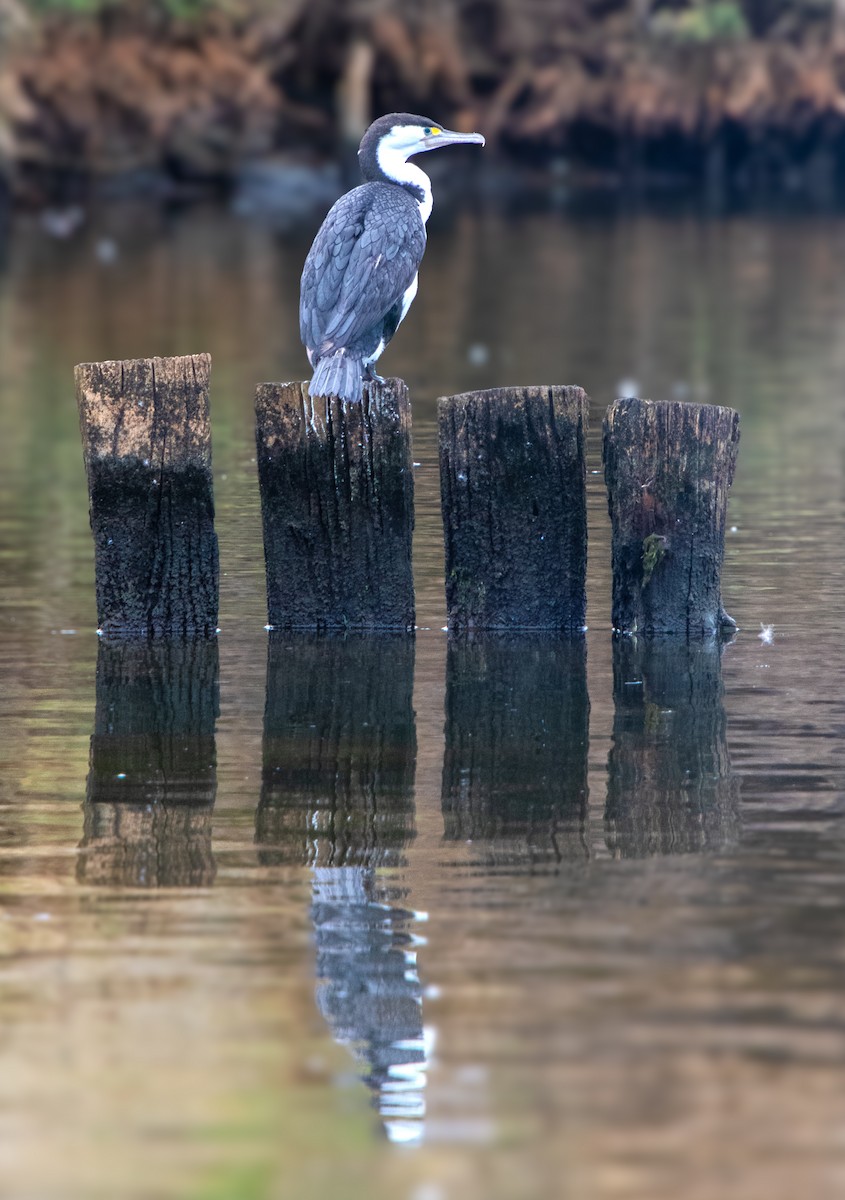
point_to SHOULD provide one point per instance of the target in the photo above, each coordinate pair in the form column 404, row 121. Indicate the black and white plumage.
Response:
column 360, row 275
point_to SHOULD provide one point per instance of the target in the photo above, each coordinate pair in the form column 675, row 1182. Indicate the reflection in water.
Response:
column 515, row 770
column 670, row 788
column 369, row 990
column 153, row 770
column 337, row 795
column 622, row 1034
column 340, row 750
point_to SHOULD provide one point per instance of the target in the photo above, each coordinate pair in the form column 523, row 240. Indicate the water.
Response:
column 353, row 918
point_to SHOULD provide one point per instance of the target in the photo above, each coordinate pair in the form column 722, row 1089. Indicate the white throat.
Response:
column 395, row 166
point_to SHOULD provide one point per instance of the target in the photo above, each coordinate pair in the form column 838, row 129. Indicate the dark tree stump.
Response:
column 337, row 499
column 670, row 785
column 515, row 768
column 153, row 775
column 512, row 482
column 147, row 445
column 669, row 468
column 339, row 751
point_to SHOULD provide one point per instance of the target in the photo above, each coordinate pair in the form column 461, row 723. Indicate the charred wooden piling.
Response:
column 337, row 500
column 512, row 482
column 152, row 779
column 668, row 468
column 147, row 445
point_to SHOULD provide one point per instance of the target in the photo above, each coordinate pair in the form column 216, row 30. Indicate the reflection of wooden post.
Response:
column 670, row 787
column 515, row 770
column 512, row 480
column 337, row 794
column 337, row 497
column 147, row 445
column 339, row 751
column 669, row 467
column 152, row 777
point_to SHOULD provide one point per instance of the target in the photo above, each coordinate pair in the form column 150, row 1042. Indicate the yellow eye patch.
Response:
column 430, row 129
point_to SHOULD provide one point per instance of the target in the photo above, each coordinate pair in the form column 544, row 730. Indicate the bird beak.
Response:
column 448, row 137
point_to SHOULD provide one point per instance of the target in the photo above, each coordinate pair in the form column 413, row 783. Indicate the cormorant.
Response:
column 360, row 275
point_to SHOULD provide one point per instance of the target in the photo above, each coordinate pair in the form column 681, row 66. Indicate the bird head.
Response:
column 402, row 135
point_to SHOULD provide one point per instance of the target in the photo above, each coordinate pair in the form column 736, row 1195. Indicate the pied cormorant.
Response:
column 360, row 275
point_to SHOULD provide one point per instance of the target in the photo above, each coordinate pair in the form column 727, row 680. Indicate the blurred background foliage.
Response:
column 193, row 90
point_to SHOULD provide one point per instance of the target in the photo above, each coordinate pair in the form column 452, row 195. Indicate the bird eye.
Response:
column 427, row 130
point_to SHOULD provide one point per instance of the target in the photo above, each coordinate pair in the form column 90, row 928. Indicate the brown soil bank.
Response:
column 629, row 89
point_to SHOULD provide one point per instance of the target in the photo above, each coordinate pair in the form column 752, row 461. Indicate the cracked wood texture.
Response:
column 513, row 493
column 147, row 444
column 337, row 502
column 669, row 467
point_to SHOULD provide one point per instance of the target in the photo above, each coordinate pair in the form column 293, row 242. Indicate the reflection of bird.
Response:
column 360, row 275
column 369, row 991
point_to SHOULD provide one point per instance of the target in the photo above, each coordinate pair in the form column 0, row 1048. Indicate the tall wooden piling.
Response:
column 669, row 467
column 152, row 779
column 512, row 481
column 337, row 501
column 147, row 445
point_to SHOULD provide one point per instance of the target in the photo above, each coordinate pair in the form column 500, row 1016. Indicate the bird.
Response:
column 360, row 275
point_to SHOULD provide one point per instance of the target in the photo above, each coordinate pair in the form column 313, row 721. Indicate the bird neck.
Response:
column 391, row 167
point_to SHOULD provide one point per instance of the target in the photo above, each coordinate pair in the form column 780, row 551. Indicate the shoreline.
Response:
column 179, row 109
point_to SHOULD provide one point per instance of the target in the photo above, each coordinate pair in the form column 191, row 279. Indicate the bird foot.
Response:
column 370, row 376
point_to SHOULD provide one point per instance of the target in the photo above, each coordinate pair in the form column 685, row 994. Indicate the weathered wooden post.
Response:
column 153, row 777
column 669, row 467
column 515, row 767
column 337, row 502
column 339, row 750
column 512, row 483
column 670, row 786
column 147, row 446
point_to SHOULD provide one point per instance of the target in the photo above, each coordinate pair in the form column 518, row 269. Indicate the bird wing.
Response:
column 362, row 262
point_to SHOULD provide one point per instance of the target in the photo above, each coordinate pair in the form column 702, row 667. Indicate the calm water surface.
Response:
column 381, row 918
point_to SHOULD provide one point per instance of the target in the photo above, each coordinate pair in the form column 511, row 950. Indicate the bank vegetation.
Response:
column 719, row 92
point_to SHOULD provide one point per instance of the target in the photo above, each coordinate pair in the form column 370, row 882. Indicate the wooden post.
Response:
column 512, row 482
column 669, row 467
column 515, row 768
column 339, row 751
column 147, row 446
column 670, row 786
column 153, row 778
column 337, row 501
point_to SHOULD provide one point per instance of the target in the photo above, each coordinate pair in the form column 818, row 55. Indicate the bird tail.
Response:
column 338, row 375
